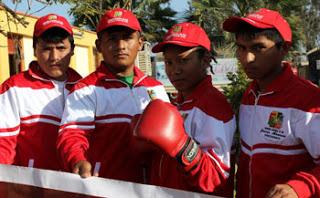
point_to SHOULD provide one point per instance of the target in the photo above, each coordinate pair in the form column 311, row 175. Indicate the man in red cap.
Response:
column 279, row 116
column 195, row 152
column 32, row 102
column 95, row 130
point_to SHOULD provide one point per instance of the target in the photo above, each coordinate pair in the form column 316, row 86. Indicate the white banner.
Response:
column 18, row 182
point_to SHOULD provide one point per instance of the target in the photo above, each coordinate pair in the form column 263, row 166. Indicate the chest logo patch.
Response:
column 274, row 131
column 275, row 119
column 152, row 94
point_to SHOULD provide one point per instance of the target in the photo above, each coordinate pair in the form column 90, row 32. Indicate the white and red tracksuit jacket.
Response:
column 30, row 115
column 96, row 123
column 280, row 137
column 209, row 120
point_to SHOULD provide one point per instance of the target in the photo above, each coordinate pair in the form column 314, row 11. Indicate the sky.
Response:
column 62, row 9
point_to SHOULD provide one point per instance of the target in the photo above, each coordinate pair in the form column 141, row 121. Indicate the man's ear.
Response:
column 141, row 41
column 97, row 42
column 206, row 59
column 285, row 48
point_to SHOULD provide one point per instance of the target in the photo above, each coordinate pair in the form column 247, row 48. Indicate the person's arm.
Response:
column 77, row 123
column 215, row 138
column 307, row 183
column 9, row 124
column 208, row 167
column 304, row 183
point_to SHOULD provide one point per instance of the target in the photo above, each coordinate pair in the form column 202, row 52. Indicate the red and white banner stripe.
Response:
column 18, row 182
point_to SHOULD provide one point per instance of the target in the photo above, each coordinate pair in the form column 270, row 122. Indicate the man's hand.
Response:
column 282, row 191
column 83, row 168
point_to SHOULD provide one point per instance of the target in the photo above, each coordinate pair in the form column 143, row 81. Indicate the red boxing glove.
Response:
column 140, row 144
column 162, row 124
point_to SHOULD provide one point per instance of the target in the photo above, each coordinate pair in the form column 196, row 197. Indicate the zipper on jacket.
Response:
column 256, row 100
column 131, row 90
column 137, row 109
column 133, row 95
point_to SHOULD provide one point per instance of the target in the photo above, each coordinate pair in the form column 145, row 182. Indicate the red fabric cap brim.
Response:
column 102, row 28
column 160, row 47
column 233, row 24
column 38, row 33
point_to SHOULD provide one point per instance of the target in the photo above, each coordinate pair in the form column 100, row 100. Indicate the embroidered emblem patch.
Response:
column 275, row 119
column 177, row 28
column 52, row 17
column 274, row 131
column 152, row 94
column 117, row 14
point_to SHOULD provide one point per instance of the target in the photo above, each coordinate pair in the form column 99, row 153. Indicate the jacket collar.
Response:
column 198, row 91
column 279, row 83
column 104, row 72
column 36, row 72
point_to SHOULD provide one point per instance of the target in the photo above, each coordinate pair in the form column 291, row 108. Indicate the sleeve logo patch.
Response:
column 152, row 94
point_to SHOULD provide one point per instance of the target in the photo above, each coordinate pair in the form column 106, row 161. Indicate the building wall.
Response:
column 27, row 51
column 4, row 59
column 84, row 59
column 81, row 55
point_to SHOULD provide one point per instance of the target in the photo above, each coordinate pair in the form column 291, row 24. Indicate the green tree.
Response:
column 235, row 89
column 311, row 24
column 155, row 16
column 302, row 15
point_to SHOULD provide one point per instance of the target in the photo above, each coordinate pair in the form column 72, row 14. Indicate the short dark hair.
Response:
column 250, row 32
column 54, row 35
column 202, row 52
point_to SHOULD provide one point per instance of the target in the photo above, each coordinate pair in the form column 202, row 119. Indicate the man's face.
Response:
column 259, row 56
column 54, row 58
column 184, row 68
column 119, row 47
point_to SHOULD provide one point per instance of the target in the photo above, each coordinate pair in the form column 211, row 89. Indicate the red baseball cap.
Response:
column 51, row 21
column 184, row 34
column 262, row 19
column 118, row 17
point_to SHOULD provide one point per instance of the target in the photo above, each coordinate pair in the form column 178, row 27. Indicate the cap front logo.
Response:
column 257, row 16
column 177, row 29
column 176, row 33
column 117, row 14
column 52, row 17
column 117, row 18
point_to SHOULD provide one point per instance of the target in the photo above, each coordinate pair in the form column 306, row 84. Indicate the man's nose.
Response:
column 120, row 44
column 177, row 69
column 54, row 55
column 249, row 57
